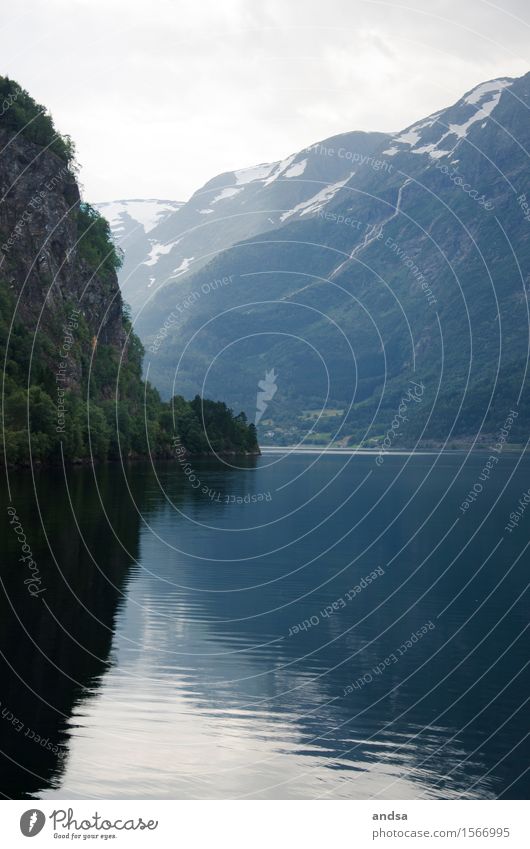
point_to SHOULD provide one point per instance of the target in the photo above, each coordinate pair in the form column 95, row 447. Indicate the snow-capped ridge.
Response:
column 478, row 105
column 235, row 206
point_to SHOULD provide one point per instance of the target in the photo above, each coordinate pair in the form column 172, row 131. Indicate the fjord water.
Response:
column 212, row 644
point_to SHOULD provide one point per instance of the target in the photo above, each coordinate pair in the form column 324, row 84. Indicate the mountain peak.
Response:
column 440, row 133
column 166, row 241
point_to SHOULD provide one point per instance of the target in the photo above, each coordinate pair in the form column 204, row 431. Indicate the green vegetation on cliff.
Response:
column 71, row 364
column 21, row 114
column 41, row 421
column 113, row 412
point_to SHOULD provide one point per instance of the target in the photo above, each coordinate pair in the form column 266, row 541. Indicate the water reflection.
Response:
column 166, row 663
column 55, row 648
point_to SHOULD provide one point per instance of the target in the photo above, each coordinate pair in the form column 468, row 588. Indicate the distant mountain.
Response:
column 127, row 216
column 131, row 222
column 164, row 241
column 352, row 268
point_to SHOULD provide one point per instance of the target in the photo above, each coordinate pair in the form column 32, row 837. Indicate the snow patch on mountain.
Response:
column 315, row 203
column 267, row 172
column 432, row 150
column 411, row 137
column 461, row 130
column 482, row 109
column 159, row 250
column 297, row 169
column 148, row 213
column 280, row 168
column 230, row 192
column 256, row 172
column 485, row 88
column 183, row 267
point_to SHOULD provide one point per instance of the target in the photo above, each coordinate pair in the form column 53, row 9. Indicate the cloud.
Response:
column 161, row 96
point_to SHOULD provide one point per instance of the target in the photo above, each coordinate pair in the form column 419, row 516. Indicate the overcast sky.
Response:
column 160, row 96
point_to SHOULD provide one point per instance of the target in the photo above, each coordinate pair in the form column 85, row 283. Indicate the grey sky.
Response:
column 162, row 95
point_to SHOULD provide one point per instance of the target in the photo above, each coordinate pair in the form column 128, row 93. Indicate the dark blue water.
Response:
column 301, row 627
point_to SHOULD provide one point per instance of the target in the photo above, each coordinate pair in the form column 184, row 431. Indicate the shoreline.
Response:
column 133, row 458
column 370, row 452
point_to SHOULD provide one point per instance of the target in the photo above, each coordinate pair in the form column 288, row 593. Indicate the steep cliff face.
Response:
column 53, row 285
column 71, row 366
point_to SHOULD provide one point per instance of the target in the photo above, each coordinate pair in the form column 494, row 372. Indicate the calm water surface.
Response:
column 212, row 638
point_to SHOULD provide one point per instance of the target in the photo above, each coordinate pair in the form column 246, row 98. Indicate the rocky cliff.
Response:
column 72, row 385
column 42, row 255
